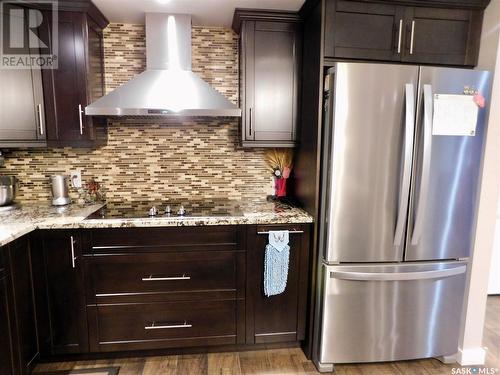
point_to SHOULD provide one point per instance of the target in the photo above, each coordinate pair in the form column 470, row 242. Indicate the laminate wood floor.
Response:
column 283, row 361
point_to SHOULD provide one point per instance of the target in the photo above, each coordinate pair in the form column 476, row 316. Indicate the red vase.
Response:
column 280, row 187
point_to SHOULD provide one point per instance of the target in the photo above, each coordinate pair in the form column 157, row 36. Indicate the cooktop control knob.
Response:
column 153, row 211
column 182, row 211
column 168, row 210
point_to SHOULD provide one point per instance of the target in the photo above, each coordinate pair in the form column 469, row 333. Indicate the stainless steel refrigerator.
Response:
column 398, row 213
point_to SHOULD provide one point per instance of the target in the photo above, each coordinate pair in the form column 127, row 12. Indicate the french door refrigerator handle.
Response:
column 408, row 151
column 426, row 165
column 397, row 276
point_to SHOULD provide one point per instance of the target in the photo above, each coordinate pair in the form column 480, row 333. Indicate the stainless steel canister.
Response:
column 60, row 195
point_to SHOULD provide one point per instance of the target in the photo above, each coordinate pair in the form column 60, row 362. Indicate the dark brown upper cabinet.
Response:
column 442, row 36
column 78, row 80
column 384, row 31
column 270, row 55
column 369, row 31
column 22, row 110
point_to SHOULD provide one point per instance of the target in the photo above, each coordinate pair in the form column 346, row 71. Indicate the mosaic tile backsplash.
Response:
column 157, row 159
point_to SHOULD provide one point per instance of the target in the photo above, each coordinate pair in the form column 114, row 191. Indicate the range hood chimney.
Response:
column 168, row 87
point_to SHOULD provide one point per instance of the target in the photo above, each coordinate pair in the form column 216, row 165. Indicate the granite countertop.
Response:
column 16, row 223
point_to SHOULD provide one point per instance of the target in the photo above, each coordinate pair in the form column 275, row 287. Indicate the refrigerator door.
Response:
column 445, row 184
column 391, row 312
column 372, row 127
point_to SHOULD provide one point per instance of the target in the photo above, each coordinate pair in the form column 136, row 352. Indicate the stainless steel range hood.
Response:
column 168, row 87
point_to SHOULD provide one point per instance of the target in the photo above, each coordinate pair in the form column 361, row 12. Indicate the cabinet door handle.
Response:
column 154, row 326
column 73, row 258
column 80, row 118
column 290, row 231
column 412, row 36
column 151, row 278
column 250, row 122
column 400, row 35
column 40, row 118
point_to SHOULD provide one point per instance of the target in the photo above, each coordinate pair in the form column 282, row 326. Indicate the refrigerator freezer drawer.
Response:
column 389, row 312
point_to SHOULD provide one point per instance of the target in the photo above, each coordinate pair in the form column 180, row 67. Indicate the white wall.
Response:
column 470, row 347
column 490, row 36
column 494, row 280
column 487, row 60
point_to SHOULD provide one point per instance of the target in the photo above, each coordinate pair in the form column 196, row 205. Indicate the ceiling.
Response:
column 204, row 12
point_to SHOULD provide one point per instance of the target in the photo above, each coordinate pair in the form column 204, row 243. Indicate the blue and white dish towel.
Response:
column 276, row 263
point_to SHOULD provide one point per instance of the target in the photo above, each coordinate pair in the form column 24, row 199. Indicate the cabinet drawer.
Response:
column 163, row 273
column 164, row 325
column 127, row 240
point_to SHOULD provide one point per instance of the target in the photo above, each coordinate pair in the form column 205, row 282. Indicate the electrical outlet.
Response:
column 270, row 187
column 76, row 179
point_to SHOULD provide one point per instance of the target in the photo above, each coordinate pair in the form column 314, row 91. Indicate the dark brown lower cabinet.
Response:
column 160, row 288
column 65, row 319
column 6, row 344
column 127, row 289
column 154, row 288
column 280, row 318
column 18, row 310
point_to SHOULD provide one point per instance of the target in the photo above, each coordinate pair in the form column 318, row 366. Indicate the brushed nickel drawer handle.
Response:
column 40, row 118
column 80, row 111
column 73, row 257
column 290, row 231
column 151, row 278
column 154, row 326
column 400, row 35
column 412, row 36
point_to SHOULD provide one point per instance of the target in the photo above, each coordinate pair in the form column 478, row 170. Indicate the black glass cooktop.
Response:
column 124, row 210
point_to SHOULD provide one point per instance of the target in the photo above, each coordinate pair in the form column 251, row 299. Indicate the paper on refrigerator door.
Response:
column 454, row 115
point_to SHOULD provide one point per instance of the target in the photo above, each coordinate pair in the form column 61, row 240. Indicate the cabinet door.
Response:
column 442, row 36
column 6, row 352
column 66, row 86
column 95, row 62
column 94, row 127
column 66, row 301
column 368, row 31
column 279, row 318
column 24, row 309
column 18, row 120
column 21, row 101
column 272, row 51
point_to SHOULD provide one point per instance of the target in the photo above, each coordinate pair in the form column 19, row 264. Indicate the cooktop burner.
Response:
column 131, row 210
